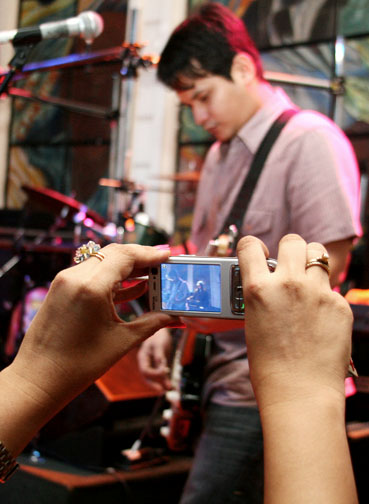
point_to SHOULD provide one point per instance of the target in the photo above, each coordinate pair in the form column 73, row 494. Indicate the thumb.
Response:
column 146, row 325
column 131, row 292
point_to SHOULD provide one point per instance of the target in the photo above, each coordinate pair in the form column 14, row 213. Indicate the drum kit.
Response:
column 72, row 224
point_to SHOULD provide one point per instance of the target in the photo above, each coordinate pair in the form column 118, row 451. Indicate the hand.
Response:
column 77, row 335
column 298, row 331
column 153, row 360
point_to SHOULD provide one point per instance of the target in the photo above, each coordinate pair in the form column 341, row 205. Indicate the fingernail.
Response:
column 163, row 246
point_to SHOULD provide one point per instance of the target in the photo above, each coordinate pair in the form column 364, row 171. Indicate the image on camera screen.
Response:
column 191, row 287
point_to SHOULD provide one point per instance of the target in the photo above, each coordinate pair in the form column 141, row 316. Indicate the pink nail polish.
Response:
column 164, row 246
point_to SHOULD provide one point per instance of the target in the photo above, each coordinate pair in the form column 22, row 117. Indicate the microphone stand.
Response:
column 19, row 59
column 16, row 64
column 65, row 104
column 121, row 128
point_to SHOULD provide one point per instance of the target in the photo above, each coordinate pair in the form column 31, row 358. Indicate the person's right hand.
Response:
column 298, row 331
column 153, row 360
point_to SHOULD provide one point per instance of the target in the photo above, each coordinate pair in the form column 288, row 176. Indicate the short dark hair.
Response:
column 203, row 44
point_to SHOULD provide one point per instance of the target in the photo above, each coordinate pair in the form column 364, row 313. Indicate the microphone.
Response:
column 87, row 25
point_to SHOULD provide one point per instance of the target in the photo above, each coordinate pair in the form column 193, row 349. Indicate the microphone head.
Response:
column 91, row 25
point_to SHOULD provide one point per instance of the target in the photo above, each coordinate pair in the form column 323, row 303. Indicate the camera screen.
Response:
column 191, row 287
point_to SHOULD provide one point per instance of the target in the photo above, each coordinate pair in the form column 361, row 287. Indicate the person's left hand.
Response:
column 77, row 335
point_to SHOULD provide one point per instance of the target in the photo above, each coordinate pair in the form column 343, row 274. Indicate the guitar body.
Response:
column 223, row 245
column 189, row 361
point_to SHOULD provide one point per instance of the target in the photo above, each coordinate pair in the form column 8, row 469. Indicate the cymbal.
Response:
column 130, row 187
column 189, row 176
column 124, row 185
column 55, row 201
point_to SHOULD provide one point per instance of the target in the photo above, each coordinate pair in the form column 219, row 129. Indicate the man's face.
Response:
column 219, row 105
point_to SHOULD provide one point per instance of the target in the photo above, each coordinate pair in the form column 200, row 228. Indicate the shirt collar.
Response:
column 253, row 132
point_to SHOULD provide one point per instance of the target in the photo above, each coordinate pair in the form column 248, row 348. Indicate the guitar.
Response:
column 187, row 373
column 190, row 357
column 224, row 245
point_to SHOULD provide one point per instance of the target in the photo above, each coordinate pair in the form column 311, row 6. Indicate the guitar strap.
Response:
column 238, row 211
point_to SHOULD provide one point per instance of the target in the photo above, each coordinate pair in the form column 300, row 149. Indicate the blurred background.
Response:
column 93, row 147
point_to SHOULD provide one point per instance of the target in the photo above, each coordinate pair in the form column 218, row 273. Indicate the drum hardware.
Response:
column 143, row 234
column 65, row 209
column 130, row 186
column 55, row 202
column 27, row 240
column 36, row 244
column 87, row 223
column 35, row 276
column 134, row 225
column 124, row 185
column 11, row 233
column 186, row 176
column 130, row 204
column 22, row 241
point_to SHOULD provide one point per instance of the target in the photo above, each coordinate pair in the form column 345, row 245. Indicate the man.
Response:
column 178, row 291
column 309, row 185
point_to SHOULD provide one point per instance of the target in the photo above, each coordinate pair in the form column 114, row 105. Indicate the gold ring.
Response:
column 322, row 261
column 91, row 249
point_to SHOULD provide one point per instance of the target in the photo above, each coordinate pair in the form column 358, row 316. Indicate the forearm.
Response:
column 25, row 409
column 306, row 453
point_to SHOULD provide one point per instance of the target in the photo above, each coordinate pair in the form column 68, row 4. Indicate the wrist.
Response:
column 307, row 405
column 26, row 407
column 292, row 391
column 306, row 419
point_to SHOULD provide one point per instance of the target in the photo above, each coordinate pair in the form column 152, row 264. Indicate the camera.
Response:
column 194, row 286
